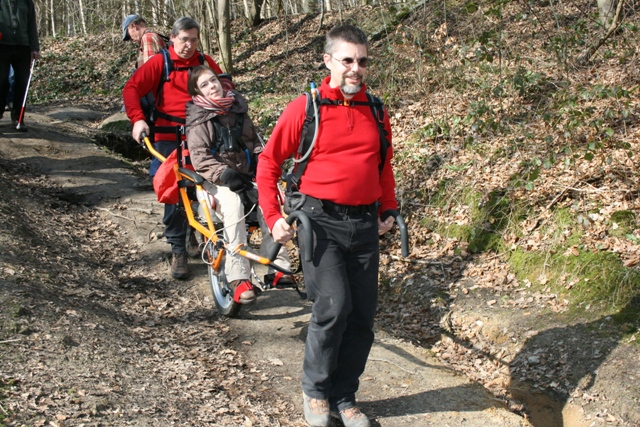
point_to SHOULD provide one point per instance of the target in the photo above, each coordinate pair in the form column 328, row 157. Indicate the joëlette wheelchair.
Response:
column 216, row 248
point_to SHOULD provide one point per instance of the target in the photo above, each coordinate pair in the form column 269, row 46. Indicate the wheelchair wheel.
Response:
column 222, row 293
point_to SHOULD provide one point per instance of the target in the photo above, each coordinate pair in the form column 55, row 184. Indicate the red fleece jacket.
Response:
column 174, row 96
column 343, row 166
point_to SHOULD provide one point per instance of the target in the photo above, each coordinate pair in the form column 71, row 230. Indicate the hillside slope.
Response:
column 516, row 172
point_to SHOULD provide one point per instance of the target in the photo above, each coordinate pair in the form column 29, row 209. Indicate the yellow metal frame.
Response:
column 209, row 232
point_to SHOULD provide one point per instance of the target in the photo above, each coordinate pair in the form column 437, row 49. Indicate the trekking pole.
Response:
column 24, row 101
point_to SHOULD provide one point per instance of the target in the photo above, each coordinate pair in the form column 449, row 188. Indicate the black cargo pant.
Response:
column 19, row 57
column 342, row 282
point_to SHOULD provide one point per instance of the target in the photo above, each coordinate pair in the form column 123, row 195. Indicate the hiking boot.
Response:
column 143, row 184
column 352, row 417
column 193, row 245
column 243, row 292
column 179, row 266
column 316, row 411
column 279, row 280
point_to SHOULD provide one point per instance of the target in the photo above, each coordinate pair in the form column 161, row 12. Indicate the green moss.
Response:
column 585, row 278
column 442, row 192
column 455, row 231
column 625, row 223
column 488, row 218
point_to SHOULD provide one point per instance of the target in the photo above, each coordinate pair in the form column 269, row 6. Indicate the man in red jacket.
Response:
column 345, row 194
column 170, row 104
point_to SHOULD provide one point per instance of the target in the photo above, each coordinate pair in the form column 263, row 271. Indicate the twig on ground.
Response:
column 146, row 211
column 116, row 215
column 394, row 364
column 9, row 341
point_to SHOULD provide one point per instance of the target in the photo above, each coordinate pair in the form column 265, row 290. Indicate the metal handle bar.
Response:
column 307, row 236
column 146, row 143
column 402, row 226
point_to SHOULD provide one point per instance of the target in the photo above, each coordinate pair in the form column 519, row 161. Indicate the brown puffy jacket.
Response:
column 201, row 137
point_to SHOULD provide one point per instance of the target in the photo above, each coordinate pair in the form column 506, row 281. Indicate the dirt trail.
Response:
column 402, row 386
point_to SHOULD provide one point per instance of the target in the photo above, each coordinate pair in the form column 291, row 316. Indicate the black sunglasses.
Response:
column 348, row 62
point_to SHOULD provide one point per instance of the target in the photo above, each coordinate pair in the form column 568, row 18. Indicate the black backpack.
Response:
column 165, row 39
column 293, row 199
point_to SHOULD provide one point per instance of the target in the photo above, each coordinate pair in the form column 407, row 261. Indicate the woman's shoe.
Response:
column 243, row 292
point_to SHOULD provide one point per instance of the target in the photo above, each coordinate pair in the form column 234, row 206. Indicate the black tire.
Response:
column 222, row 293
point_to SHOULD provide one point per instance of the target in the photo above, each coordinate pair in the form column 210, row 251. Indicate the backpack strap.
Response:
column 165, row 39
column 309, row 130
column 306, row 138
column 166, row 77
column 377, row 109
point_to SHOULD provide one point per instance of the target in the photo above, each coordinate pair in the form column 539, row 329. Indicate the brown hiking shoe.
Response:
column 316, row 411
column 179, row 266
column 352, row 417
column 193, row 245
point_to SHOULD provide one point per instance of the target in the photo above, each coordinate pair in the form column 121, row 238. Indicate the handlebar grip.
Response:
column 402, row 226
column 143, row 139
column 307, row 236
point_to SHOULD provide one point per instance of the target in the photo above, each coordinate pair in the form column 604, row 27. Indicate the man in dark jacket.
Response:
column 19, row 45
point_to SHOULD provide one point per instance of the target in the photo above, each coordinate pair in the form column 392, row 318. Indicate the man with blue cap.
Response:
column 149, row 42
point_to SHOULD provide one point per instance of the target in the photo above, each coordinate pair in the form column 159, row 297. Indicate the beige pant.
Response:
column 230, row 210
column 228, row 207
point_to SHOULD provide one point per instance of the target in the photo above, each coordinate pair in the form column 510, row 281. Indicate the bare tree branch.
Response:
column 588, row 53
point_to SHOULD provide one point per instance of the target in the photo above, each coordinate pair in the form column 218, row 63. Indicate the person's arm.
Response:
column 387, row 183
column 34, row 42
column 141, row 82
column 284, row 140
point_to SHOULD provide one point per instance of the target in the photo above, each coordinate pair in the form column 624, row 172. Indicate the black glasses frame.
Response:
column 348, row 62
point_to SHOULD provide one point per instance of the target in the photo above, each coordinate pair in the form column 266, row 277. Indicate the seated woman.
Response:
column 223, row 146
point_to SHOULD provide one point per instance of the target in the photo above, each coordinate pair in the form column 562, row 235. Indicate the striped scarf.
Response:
column 219, row 107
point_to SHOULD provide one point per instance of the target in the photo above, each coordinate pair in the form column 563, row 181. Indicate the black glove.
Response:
column 249, row 197
column 235, row 180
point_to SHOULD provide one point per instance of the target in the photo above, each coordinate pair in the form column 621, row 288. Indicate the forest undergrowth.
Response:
column 516, row 165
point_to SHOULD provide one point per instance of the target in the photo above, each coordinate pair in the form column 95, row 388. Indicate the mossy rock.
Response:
column 625, row 222
column 117, row 123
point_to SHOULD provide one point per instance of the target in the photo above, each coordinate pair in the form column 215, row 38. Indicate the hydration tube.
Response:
column 314, row 93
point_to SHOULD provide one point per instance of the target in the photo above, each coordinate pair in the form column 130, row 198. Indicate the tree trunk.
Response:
column 83, row 22
column 606, row 11
column 224, row 35
column 252, row 10
column 309, row 6
column 53, row 20
column 591, row 50
column 200, row 15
